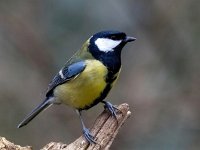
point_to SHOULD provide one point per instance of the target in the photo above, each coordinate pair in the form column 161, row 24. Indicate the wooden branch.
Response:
column 6, row 145
column 104, row 130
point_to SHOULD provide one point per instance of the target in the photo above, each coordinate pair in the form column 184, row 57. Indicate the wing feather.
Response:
column 65, row 74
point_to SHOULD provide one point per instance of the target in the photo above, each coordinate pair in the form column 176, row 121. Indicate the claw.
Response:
column 88, row 136
column 112, row 109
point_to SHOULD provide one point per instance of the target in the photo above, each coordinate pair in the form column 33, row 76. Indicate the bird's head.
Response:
column 108, row 42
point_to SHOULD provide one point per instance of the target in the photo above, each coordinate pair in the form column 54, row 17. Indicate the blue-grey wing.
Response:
column 65, row 74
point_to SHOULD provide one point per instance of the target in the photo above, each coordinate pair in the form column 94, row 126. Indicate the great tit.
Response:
column 87, row 77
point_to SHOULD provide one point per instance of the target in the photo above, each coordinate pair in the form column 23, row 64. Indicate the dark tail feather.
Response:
column 34, row 113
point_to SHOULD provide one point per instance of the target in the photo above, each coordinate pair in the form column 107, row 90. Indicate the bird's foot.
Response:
column 88, row 136
column 112, row 109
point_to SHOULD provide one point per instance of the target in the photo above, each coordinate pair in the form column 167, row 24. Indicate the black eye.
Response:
column 113, row 37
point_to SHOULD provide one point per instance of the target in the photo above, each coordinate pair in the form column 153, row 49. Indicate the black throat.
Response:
column 111, row 59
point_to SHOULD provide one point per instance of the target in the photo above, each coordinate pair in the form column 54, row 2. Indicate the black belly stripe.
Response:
column 111, row 77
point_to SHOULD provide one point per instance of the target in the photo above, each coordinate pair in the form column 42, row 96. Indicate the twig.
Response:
column 104, row 129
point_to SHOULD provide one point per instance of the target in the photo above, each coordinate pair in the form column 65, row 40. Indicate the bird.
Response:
column 87, row 77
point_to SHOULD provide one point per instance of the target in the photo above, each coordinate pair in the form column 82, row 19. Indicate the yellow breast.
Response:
column 85, row 87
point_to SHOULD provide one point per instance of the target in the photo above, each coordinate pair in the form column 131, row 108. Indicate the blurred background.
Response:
column 159, row 79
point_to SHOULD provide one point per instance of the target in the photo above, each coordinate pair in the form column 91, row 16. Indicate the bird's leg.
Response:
column 86, row 132
column 112, row 109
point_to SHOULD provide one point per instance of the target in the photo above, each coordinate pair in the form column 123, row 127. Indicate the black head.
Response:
column 106, row 46
column 108, row 42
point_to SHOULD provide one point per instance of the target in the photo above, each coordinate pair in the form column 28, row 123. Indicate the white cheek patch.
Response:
column 106, row 45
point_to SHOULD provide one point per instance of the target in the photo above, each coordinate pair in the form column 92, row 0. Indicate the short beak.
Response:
column 129, row 39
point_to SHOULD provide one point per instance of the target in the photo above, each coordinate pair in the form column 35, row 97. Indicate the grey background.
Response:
column 159, row 78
